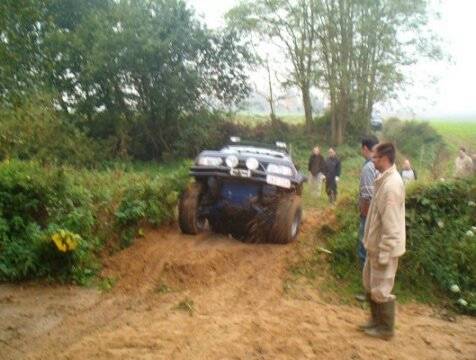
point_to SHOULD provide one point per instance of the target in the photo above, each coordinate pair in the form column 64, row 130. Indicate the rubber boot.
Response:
column 385, row 321
column 373, row 315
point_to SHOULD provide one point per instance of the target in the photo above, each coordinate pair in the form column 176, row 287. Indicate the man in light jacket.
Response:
column 463, row 164
column 384, row 240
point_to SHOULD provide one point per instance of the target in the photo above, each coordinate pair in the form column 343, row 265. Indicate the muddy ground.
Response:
column 212, row 297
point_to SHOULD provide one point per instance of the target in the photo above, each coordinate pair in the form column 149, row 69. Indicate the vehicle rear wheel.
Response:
column 287, row 222
column 190, row 221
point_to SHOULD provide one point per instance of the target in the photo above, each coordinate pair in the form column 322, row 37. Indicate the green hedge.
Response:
column 53, row 221
column 421, row 143
column 441, row 244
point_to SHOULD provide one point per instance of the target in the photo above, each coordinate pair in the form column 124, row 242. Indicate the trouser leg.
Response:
column 366, row 277
column 331, row 189
column 361, row 252
column 380, row 280
column 319, row 181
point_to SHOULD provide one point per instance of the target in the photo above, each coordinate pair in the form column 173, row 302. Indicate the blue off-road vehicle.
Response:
column 249, row 190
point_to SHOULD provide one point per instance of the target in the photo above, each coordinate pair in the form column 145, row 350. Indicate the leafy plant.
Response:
column 43, row 221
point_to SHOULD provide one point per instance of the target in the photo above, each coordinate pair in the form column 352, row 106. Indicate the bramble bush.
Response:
column 440, row 262
column 54, row 221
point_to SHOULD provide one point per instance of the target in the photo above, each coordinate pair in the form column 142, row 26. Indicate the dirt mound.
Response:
column 181, row 262
column 210, row 269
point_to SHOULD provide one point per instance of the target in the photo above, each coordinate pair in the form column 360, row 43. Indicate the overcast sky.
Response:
column 454, row 92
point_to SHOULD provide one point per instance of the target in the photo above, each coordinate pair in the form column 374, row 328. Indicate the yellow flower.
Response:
column 71, row 241
column 65, row 240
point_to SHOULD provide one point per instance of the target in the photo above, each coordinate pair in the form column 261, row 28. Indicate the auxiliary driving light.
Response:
column 252, row 163
column 232, row 161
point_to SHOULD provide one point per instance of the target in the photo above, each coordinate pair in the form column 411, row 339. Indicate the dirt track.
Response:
column 210, row 297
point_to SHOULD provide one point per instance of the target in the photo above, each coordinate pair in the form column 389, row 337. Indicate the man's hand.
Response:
column 364, row 206
column 337, row 179
column 383, row 258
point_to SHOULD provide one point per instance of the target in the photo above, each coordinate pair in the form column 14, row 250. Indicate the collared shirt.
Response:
column 408, row 176
column 367, row 177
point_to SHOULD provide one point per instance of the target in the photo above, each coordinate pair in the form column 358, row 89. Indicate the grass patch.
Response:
column 456, row 134
column 186, row 305
column 163, row 288
column 106, row 284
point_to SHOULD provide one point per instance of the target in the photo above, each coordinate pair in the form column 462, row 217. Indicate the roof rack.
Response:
column 278, row 146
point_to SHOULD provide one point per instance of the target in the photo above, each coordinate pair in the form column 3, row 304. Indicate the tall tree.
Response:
column 290, row 24
column 21, row 34
column 364, row 47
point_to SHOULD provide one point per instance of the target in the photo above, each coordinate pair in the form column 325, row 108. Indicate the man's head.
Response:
column 384, row 156
column 368, row 144
column 462, row 152
column 332, row 152
column 406, row 164
column 316, row 150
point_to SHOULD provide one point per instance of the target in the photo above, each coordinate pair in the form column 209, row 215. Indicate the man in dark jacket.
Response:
column 317, row 169
column 332, row 175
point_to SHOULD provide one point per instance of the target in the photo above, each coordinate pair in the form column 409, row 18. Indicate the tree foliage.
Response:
column 364, row 49
column 292, row 26
column 354, row 50
column 130, row 72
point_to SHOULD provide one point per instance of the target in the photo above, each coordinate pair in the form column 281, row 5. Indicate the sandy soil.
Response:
column 211, row 297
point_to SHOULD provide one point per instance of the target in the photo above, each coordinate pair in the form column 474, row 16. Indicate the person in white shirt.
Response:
column 463, row 164
column 408, row 173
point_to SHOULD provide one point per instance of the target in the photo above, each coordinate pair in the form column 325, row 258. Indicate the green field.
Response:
column 457, row 133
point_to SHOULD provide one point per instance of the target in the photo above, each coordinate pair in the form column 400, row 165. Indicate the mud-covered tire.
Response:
column 189, row 220
column 287, row 222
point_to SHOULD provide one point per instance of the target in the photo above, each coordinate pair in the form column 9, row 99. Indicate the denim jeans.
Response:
column 361, row 252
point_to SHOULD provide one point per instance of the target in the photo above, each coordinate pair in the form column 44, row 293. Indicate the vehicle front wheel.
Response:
column 190, row 221
column 287, row 222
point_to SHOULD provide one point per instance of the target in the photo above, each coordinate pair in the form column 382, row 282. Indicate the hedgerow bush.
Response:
column 40, row 211
column 149, row 200
column 440, row 261
column 420, row 142
column 54, row 221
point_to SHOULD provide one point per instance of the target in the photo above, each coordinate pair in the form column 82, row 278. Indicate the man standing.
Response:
column 317, row 169
column 384, row 240
column 408, row 174
column 366, row 191
column 332, row 175
column 463, row 164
